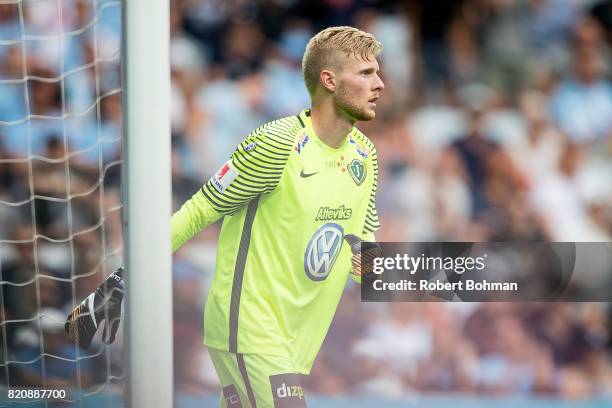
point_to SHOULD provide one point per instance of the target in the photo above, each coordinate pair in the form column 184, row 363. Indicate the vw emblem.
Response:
column 322, row 251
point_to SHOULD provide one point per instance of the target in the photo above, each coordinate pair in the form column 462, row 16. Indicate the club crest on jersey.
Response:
column 322, row 251
column 301, row 143
column 251, row 146
column 357, row 170
column 224, row 176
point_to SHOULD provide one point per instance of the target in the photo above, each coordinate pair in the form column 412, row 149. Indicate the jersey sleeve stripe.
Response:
column 237, row 183
column 211, row 200
column 254, row 177
column 236, row 196
column 272, row 137
column 281, row 159
column 242, row 182
column 372, row 223
column 243, row 164
column 259, row 157
column 254, row 162
column 273, row 153
column 277, row 144
column 223, row 200
column 278, row 137
column 301, row 121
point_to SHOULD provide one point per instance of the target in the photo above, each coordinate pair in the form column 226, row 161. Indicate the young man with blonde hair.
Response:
column 290, row 195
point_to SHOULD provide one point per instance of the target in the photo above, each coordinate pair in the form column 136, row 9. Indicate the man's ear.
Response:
column 328, row 80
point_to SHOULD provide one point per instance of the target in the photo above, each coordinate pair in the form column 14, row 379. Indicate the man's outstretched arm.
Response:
column 254, row 168
column 193, row 216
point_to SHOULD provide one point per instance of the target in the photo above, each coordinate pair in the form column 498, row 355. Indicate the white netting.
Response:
column 60, row 227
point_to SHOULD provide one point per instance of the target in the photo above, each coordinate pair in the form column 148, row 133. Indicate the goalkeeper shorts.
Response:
column 257, row 380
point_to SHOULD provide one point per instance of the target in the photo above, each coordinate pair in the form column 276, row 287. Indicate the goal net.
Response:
column 60, row 201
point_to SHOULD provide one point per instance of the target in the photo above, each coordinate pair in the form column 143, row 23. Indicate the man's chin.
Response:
column 365, row 115
column 369, row 114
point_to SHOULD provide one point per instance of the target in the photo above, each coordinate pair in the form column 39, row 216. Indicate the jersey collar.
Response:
column 306, row 122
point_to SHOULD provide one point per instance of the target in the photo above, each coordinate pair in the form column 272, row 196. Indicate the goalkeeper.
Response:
column 290, row 195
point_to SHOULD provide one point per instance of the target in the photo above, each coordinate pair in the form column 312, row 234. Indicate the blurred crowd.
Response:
column 495, row 125
column 60, row 221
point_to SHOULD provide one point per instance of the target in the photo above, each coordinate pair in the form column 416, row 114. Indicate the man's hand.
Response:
column 364, row 253
column 104, row 303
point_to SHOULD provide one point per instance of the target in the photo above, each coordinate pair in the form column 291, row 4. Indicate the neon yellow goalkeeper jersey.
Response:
column 287, row 199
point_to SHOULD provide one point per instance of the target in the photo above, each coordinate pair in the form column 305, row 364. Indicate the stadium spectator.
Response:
column 582, row 105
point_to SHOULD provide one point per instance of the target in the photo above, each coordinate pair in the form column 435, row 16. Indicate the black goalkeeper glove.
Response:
column 364, row 253
column 104, row 303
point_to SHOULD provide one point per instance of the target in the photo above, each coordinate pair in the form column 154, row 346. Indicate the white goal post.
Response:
column 147, row 200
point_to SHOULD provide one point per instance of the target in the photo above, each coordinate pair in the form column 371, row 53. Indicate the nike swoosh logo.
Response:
column 304, row 175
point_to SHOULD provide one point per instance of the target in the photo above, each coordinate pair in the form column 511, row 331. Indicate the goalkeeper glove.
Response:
column 364, row 253
column 103, row 303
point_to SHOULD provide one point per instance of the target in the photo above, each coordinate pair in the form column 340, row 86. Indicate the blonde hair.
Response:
column 320, row 48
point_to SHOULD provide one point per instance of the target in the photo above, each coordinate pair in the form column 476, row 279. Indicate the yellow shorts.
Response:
column 257, row 381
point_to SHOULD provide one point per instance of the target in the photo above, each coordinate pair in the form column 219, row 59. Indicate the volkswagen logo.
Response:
column 322, row 251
